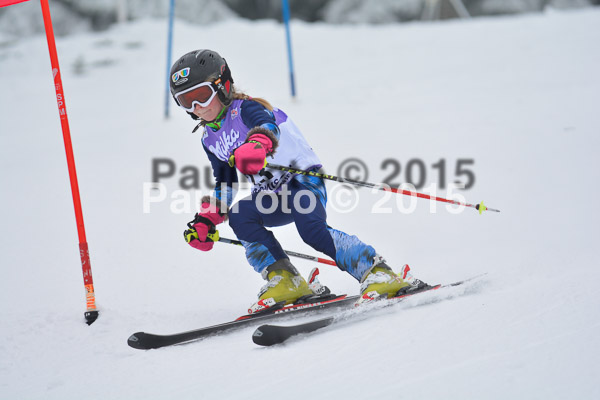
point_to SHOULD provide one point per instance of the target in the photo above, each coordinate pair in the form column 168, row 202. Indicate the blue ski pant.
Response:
column 302, row 201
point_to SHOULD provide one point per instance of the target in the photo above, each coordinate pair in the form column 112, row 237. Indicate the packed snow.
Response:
column 516, row 95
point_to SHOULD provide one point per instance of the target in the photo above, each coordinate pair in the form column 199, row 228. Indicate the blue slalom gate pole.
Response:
column 169, row 51
column 286, row 20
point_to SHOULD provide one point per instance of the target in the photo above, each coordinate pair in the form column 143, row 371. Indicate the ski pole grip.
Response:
column 213, row 236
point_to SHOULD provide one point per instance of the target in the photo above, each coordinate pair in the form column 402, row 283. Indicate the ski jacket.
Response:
column 241, row 116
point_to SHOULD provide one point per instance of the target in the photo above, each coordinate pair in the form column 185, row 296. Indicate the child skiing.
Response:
column 240, row 133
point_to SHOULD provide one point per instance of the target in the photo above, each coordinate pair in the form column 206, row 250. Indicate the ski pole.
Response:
column 216, row 238
column 480, row 207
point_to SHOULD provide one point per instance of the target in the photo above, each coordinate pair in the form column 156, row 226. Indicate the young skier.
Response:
column 242, row 132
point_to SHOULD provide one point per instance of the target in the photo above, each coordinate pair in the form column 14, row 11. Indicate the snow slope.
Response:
column 517, row 95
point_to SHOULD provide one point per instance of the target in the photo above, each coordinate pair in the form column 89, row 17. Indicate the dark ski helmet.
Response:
column 200, row 66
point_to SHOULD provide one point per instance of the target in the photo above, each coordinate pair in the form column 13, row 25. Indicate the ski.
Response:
column 269, row 335
column 146, row 341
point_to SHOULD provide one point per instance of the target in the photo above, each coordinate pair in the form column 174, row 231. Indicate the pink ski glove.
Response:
column 205, row 222
column 251, row 156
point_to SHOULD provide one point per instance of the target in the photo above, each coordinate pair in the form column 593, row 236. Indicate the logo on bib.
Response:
column 222, row 144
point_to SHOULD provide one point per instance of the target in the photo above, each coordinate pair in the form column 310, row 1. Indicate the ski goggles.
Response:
column 201, row 94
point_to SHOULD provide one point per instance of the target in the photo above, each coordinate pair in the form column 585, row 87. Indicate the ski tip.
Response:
column 135, row 341
column 269, row 335
column 265, row 335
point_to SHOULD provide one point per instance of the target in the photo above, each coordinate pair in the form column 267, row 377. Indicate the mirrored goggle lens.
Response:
column 201, row 94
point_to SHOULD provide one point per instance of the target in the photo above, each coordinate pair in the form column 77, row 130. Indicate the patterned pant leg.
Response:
column 349, row 252
column 352, row 255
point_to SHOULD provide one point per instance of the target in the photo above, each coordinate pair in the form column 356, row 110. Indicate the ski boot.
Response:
column 285, row 286
column 381, row 282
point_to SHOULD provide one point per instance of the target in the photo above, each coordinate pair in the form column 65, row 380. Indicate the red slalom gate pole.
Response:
column 91, row 313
